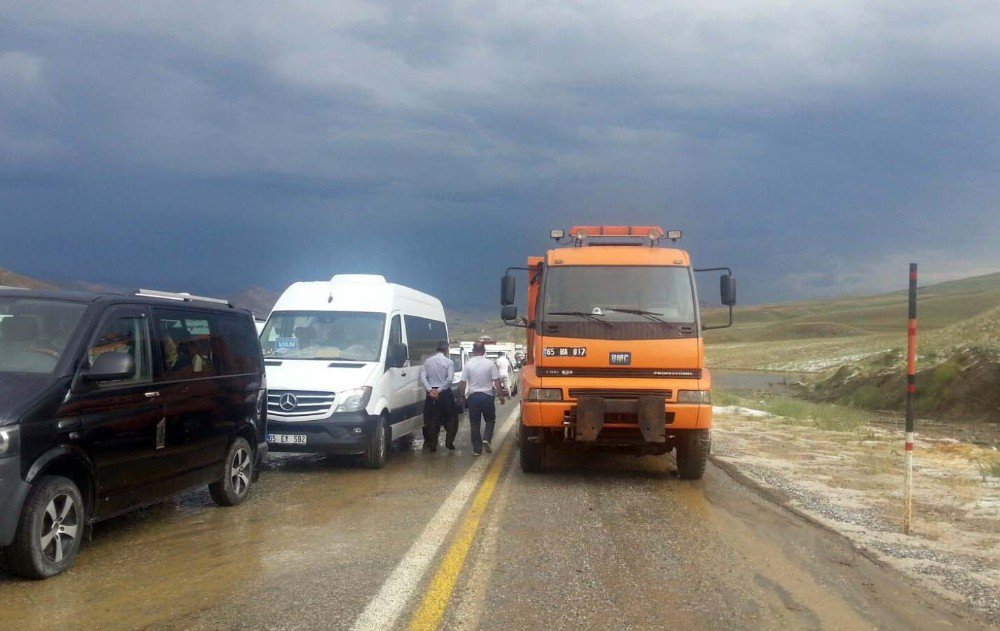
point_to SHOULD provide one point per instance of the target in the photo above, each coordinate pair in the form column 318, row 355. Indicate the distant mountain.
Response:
column 10, row 279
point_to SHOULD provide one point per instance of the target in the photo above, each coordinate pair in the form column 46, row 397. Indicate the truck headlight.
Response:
column 353, row 400
column 694, row 396
column 9, row 443
column 545, row 394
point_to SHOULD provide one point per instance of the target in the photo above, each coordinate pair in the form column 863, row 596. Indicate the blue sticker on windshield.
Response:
column 286, row 343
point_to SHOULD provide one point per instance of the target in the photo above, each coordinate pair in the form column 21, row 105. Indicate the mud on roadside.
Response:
column 852, row 482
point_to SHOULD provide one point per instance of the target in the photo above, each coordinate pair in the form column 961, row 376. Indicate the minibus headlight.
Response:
column 694, row 396
column 8, row 442
column 353, row 400
column 545, row 394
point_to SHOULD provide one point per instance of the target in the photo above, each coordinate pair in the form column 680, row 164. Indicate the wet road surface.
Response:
column 596, row 542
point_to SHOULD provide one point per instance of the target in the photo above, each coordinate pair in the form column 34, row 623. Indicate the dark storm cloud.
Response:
column 814, row 147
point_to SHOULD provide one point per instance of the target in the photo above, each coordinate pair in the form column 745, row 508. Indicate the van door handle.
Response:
column 152, row 395
column 402, row 374
column 70, row 424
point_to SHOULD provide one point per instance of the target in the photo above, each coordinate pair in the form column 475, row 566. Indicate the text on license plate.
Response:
column 287, row 439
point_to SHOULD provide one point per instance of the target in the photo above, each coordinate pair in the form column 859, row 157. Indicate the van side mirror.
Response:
column 113, row 366
column 508, row 313
column 397, row 355
column 727, row 286
column 508, row 289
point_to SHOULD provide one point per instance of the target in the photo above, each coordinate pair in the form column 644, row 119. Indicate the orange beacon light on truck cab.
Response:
column 615, row 355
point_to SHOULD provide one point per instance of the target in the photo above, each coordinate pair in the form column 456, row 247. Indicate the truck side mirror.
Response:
column 727, row 287
column 396, row 356
column 508, row 288
column 508, row 313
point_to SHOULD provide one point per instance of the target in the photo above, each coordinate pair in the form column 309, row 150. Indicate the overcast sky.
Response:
column 816, row 147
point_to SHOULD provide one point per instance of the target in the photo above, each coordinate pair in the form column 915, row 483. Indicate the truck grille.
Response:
column 605, row 393
column 292, row 403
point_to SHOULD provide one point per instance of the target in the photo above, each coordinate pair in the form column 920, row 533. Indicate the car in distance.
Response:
column 111, row 402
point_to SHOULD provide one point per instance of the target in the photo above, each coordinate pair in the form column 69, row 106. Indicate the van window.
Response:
column 396, row 331
column 237, row 345
column 124, row 334
column 34, row 332
column 344, row 335
column 188, row 344
column 423, row 336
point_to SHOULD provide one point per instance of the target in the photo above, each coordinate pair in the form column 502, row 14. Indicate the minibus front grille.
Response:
column 293, row 403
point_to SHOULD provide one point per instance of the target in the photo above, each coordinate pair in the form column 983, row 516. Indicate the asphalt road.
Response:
column 446, row 540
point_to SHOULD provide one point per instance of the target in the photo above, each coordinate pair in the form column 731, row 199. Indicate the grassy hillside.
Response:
column 940, row 305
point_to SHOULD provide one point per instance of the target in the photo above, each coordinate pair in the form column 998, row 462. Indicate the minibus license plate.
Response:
column 287, row 439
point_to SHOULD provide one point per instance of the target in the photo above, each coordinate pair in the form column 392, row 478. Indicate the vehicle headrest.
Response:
column 19, row 328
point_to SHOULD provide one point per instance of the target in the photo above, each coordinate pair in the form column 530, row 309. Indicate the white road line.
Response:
column 391, row 600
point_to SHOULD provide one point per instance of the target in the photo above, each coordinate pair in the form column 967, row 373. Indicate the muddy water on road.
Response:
column 308, row 515
column 609, row 542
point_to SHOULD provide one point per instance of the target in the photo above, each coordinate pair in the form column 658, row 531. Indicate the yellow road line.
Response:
column 434, row 603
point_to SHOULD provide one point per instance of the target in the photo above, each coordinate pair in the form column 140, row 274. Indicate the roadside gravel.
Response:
column 852, row 482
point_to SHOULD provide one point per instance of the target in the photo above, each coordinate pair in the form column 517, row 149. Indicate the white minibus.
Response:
column 343, row 365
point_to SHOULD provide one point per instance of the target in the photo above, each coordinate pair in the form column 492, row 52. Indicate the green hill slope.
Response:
column 940, row 305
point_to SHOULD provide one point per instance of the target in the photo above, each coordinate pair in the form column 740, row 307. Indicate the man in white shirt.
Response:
column 436, row 376
column 503, row 367
column 480, row 383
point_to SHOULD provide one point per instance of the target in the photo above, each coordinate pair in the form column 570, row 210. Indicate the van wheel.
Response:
column 50, row 530
column 693, row 447
column 532, row 454
column 234, row 486
column 378, row 445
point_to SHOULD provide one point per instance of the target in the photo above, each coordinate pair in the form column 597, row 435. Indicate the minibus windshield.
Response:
column 343, row 335
column 34, row 332
column 619, row 293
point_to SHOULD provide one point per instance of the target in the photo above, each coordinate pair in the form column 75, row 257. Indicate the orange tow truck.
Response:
column 615, row 356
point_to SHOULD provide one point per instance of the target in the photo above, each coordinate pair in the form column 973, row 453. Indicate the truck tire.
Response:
column 532, row 454
column 692, row 448
column 378, row 445
column 50, row 530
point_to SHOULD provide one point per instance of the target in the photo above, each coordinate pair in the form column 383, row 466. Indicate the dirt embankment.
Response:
column 964, row 386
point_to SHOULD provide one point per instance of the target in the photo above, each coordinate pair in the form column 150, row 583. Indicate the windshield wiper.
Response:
column 582, row 314
column 652, row 315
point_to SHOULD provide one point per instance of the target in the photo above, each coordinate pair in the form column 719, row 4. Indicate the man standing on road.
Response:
column 480, row 383
column 436, row 375
column 503, row 368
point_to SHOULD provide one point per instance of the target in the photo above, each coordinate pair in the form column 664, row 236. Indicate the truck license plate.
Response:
column 287, row 439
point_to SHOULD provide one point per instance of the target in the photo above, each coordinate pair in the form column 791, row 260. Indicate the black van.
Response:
column 110, row 402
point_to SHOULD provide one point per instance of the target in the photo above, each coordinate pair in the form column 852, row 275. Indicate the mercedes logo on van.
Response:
column 287, row 402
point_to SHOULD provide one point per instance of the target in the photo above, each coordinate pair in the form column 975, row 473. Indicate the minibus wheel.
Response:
column 234, row 486
column 378, row 445
column 51, row 529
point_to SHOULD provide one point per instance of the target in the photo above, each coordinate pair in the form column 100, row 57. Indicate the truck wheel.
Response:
column 378, row 445
column 50, row 530
column 693, row 447
column 234, row 486
column 532, row 454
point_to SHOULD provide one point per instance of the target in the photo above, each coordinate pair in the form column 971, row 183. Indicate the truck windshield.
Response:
column 344, row 335
column 34, row 332
column 620, row 293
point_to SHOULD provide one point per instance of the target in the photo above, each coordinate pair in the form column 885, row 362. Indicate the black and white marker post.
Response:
column 911, row 392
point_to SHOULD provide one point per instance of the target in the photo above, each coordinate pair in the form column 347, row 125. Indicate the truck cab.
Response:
column 615, row 354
